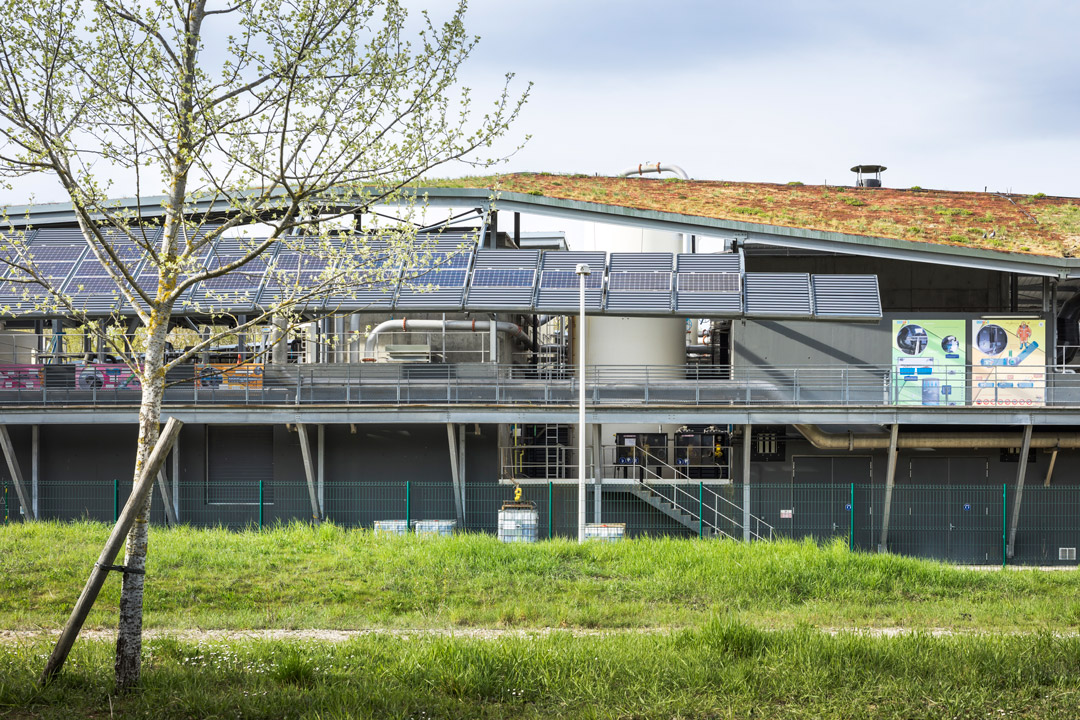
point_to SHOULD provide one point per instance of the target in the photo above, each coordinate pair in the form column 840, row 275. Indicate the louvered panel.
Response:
column 778, row 295
column 709, row 262
column 503, row 280
column 847, row 296
column 708, row 305
column 709, row 284
column 640, row 283
column 558, row 289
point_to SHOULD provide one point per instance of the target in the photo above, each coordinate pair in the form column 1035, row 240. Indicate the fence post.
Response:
column 851, row 531
column 1005, row 521
column 261, row 504
column 115, row 500
column 408, row 507
column 700, row 513
column 551, row 507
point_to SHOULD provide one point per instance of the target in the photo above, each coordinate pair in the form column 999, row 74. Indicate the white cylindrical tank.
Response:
column 633, row 341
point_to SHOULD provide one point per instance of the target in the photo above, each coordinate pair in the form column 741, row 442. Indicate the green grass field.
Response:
column 327, row 577
column 698, row 629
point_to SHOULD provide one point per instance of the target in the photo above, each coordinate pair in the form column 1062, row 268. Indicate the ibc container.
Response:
column 607, row 532
column 518, row 524
column 435, row 527
column 391, row 527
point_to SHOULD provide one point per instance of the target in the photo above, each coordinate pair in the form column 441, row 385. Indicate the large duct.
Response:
column 405, row 325
column 944, row 441
column 662, row 168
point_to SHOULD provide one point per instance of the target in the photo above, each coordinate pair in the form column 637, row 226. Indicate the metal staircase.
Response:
column 704, row 514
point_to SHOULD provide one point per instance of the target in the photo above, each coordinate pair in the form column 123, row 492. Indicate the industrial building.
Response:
column 891, row 367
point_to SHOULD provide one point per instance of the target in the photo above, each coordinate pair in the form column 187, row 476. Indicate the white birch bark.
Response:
column 129, row 635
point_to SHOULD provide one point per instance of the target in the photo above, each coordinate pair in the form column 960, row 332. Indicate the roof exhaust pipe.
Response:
column 937, row 441
column 662, row 168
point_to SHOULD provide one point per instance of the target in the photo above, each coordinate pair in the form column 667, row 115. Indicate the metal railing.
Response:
column 491, row 384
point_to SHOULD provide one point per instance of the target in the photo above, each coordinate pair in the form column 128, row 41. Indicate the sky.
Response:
column 951, row 95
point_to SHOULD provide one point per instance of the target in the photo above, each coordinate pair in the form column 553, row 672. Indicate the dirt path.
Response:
column 8, row 637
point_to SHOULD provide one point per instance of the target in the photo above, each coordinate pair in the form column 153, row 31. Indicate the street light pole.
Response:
column 583, row 271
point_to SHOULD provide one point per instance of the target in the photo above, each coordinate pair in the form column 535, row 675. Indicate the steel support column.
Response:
column 455, row 476
column 461, row 473
column 598, row 473
column 890, row 481
column 16, row 473
column 320, row 468
column 309, row 471
column 176, row 477
column 35, row 467
column 748, row 432
column 1021, row 472
column 166, row 501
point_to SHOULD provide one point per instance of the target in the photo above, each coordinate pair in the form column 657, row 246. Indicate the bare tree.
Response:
column 291, row 113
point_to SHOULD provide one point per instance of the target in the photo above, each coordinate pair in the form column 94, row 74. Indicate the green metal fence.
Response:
column 967, row 524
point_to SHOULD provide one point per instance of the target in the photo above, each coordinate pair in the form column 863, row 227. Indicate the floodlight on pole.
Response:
column 582, row 271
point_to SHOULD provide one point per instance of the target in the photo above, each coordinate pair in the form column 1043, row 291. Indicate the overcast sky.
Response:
column 952, row 95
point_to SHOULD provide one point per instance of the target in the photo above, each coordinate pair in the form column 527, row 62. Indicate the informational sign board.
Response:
column 1008, row 361
column 105, row 376
column 930, row 361
column 20, row 377
column 229, row 376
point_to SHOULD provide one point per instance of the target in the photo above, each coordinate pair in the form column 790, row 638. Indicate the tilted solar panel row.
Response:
column 442, row 273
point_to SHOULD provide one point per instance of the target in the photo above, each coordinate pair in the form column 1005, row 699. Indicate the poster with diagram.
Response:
column 1008, row 361
column 930, row 361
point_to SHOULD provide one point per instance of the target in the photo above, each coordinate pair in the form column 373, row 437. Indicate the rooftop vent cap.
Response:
column 865, row 170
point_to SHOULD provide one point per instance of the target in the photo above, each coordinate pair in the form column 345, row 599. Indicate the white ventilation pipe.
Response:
column 404, row 325
column 875, row 441
column 662, row 168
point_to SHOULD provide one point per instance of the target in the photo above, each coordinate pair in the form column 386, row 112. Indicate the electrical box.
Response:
column 703, row 455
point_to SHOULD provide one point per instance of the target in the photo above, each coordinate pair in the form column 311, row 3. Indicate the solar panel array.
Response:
column 434, row 278
column 640, row 283
column 503, row 280
column 559, row 286
column 91, row 287
column 442, row 273
column 709, row 285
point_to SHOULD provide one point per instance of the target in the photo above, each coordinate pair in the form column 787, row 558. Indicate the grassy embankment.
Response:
column 722, row 669
column 330, row 578
column 725, row 659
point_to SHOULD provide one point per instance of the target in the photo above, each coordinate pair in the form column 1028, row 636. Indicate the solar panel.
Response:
column 640, row 281
column 503, row 280
column 494, row 278
column 709, row 282
column 568, row 279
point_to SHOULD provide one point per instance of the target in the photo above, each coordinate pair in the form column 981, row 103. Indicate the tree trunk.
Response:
column 129, row 636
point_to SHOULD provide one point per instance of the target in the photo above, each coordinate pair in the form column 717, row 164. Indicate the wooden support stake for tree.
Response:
column 116, row 540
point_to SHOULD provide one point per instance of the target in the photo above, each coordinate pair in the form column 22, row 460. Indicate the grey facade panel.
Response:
column 778, row 295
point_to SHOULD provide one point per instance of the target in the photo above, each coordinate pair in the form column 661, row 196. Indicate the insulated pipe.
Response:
column 405, row 325
column 661, row 168
column 851, row 441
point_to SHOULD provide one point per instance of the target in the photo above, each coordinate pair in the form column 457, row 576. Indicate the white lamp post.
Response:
column 583, row 271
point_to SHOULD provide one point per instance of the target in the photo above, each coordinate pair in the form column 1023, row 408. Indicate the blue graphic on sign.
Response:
column 967, row 506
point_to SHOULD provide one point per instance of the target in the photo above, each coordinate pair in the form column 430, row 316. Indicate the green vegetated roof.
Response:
column 1028, row 224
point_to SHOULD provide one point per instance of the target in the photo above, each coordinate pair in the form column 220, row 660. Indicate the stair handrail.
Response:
column 658, row 462
column 699, row 516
